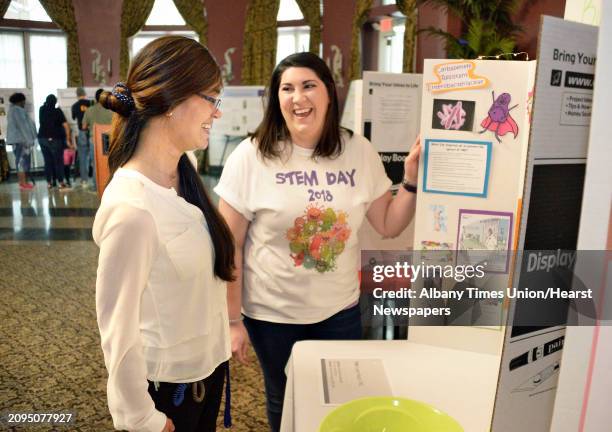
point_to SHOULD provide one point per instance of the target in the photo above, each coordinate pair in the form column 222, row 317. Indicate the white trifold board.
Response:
column 67, row 97
column 583, row 402
column 559, row 137
column 242, row 110
column 385, row 108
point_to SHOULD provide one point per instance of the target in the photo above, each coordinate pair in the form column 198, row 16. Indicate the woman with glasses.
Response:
column 165, row 252
column 294, row 196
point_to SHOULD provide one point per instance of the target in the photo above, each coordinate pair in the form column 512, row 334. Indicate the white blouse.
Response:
column 161, row 312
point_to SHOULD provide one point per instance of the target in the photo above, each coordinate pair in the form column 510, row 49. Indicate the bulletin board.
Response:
column 67, row 97
column 385, row 108
column 475, row 123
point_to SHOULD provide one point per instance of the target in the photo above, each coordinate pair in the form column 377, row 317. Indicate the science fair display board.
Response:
column 242, row 110
column 475, row 132
column 385, row 108
column 37, row 160
column 67, row 97
column 550, row 220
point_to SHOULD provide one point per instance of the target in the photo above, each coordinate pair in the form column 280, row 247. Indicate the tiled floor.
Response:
column 50, row 356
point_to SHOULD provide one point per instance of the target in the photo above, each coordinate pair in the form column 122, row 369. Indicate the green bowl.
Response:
column 388, row 414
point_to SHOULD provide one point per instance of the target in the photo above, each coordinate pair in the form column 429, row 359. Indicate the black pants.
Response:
column 53, row 153
column 191, row 416
column 273, row 343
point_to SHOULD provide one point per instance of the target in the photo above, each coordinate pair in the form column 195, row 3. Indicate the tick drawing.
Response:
column 452, row 117
column 499, row 119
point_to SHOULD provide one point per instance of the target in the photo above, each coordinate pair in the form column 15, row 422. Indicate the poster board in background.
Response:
column 475, row 134
column 385, row 108
column 551, row 213
column 67, row 97
column 242, row 110
column 101, row 143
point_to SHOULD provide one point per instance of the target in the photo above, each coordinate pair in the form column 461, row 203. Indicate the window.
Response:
column 35, row 60
column 164, row 13
column 30, row 10
column 291, row 39
column 288, row 10
column 391, row 48
column 12, row 61
column 48, row 59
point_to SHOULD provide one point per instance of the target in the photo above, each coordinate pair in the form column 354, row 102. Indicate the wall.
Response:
column 337, row 30
column 529, row 18
column 227, row 31
column 99, row 27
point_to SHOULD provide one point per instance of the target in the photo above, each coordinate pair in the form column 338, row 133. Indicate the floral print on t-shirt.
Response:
column 318, row 237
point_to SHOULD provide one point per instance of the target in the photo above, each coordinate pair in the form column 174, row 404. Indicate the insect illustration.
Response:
column 452, row 116
column 499, row 119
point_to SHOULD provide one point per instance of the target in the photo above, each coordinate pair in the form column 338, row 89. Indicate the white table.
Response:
column 460, row 383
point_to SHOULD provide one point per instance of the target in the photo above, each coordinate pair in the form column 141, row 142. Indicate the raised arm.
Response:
column 390, row 216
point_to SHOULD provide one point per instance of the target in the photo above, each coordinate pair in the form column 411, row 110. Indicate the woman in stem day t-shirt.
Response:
column 294, row 196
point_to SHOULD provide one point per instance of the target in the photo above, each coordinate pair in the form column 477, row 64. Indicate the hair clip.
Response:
column 124, row 96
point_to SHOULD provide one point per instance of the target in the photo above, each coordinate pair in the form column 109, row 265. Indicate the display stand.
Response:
column 242, row 111
column 526, row 197
column 550, row 218
column 101, row 142
column 67, row 97
column 385, row 108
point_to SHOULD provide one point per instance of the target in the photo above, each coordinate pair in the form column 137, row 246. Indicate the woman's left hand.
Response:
column 411, row 163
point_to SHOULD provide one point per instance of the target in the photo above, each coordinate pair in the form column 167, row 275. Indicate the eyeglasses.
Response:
column 216, row 102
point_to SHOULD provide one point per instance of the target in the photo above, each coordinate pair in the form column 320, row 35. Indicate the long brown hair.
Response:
column 273, row 128
column 165, row 73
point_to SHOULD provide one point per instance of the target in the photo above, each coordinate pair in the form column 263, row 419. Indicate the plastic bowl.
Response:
column 388, row 414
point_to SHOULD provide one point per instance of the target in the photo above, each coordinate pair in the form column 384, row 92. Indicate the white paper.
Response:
column 564, row 90
column 392, row 102
column 456, row 167
column 347, row 379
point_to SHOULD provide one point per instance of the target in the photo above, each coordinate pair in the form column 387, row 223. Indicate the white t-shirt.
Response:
column 301, row 253
column 161, row 311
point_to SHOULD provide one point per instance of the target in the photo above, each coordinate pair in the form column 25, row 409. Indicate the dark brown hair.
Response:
column 273, row 128
column 163, row 74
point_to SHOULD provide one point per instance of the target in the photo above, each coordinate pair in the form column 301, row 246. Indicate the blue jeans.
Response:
column 84, row 155
column 22, row 154
column 273, row 343
column 92, row 159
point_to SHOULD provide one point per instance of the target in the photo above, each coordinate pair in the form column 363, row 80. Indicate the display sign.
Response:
column 550, row 220
column 67, row 97
column 475, row 130
column 385, row 108
column 242, row 111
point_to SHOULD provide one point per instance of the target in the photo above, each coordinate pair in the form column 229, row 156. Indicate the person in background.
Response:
column 83, row 152
column 21, row 134
column 53, row 136
column 295, row 195
column 165, row 251
column 69, row 158
column 95, row 114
